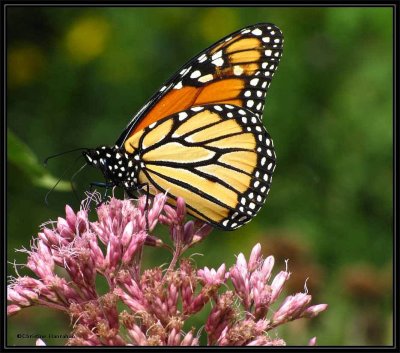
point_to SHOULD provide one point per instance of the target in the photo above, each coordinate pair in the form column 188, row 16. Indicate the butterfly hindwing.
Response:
column 237, row 70
column 219, row 158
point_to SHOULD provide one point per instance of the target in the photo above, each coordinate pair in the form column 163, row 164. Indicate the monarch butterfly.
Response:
column 201, row 135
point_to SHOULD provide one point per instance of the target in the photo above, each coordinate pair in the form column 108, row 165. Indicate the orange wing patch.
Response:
column 220, row 91
column 224, row 44
column 174, row 101
column 247, row 56
column 224, row 91
column 244, row 44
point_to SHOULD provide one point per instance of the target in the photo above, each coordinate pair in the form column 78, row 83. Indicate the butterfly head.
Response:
column 116, row 165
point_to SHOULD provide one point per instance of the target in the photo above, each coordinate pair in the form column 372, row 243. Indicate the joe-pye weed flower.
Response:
column 69, row 255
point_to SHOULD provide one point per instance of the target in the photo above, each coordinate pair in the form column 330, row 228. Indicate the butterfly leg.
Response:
column 146, row 207
column 131, row 194
column 105, row 185
column 138, row 255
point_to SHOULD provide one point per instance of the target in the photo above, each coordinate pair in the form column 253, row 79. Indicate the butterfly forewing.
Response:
column 219, row 158
column 237, row 70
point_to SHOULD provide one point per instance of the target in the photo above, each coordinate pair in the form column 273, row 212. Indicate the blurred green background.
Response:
column 75, row 76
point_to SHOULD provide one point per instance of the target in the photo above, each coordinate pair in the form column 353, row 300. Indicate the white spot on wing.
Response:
column 202, row 58
column 205, row 78
column 195, row 74
column 217, row 55
column 182, row 116
column 218, row 62
column 254, row 81
column 263, row 160
column 178, row 85
column 250, row 103
column 237, row 70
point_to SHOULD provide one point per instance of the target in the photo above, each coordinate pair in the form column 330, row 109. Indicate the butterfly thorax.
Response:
column 117, row 166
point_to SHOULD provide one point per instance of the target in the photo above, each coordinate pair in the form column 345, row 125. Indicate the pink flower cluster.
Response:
column 158, row 302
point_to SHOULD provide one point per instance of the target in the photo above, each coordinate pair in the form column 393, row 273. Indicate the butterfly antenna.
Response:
column 72, row 180
column 63, row 174
column 62, row 153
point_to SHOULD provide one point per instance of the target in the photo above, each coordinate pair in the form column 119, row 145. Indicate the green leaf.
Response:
column 21, row 156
